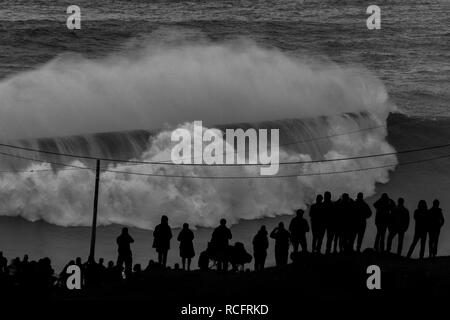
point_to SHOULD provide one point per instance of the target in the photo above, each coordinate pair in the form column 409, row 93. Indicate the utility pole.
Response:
column 94, row 215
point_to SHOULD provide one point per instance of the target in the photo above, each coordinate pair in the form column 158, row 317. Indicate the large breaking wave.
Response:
column 162, row 88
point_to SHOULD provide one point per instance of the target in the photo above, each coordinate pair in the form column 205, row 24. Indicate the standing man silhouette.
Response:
column 186, row 236
column 398, row 225
column 436, row 221
column 161, row 240
column 421, row 228
column 384, row 206
column 317, row 218
column 260, row 245
column 220, row 243
column 298, row 229
column 330, row 217
column 281, row 236
column 125, row 255
column 362, row 212
column 346, row 224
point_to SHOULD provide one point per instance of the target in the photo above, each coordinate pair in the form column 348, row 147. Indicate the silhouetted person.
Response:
column 219, row 242
column 239, row 256
column 113, row 273
column 421, row 228
column 45, row 273
column 203, row 260
column 101, row 264
column 80, row 265
column 281, row 236
column 298, row 229
column 316, row 213
column 25, row 261
column 346, row 231
column 362, row 212
column 138, row 274
column 92, row 275
column 124, row 249
column 398, row 225
column 100, row 270
column 63, row 276
column 260, row 245
column 3, row 263
column 383, row 207
column 13, row 266
column 186, row 236
column 331, row 222
column 161, row 240
column 152, row 265
column 435, row 222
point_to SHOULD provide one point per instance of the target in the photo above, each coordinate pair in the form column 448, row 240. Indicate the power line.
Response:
column 43, row 161
column 223, row 165
column 282, row 176
column 37, row 170
column 73, row 167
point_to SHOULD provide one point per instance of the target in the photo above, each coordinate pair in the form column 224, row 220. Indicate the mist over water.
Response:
column 168, row 85
column 164, row 87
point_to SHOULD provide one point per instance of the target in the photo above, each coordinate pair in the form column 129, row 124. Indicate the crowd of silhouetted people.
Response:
column 341, row 222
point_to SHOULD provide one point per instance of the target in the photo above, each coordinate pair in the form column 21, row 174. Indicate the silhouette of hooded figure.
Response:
column 298, row 229
column 316, row 214
column 383, row 207
column 125, row 255
column 186, row 236
column 435, row 222
column 220, row 244
column 398, row 225
column 161, row 240
column 362, row 212
column 260, row 245
column 421, row 228
column 281, row 236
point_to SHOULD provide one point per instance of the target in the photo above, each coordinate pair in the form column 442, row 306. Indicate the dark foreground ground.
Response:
column 332, row 285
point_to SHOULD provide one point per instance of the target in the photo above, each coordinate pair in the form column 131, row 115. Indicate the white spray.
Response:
column 171, row 87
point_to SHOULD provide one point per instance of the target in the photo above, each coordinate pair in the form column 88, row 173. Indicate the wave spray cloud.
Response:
column 322, row 111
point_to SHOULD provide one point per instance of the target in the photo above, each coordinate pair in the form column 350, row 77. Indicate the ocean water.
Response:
column 408, row 60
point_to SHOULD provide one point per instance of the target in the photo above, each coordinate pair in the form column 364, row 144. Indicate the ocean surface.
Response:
column 409, row 58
